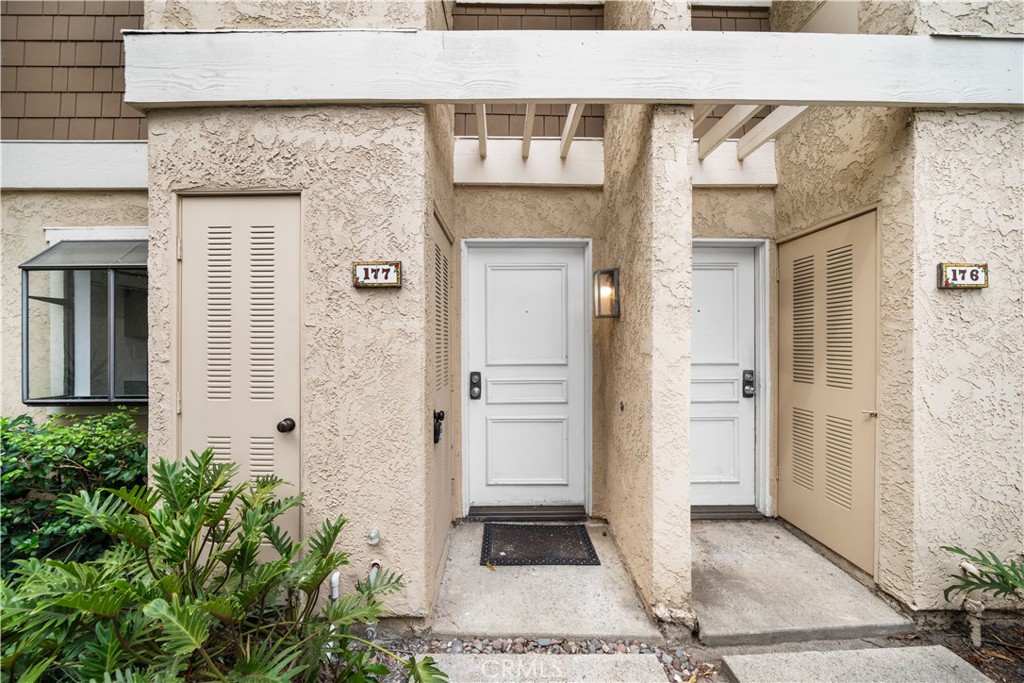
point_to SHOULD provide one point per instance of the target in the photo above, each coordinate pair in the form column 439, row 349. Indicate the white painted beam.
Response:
column 733, row 120
column 505, row 164
column 531, row 110
column 64, row 165
column 721, row 168
column 481, row 128
column 212, row 68
column 701, row 112
column 771, row 126
column 572, row 122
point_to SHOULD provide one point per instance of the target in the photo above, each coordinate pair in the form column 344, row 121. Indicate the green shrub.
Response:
column 201, row 585
column 986, row 573
column 65, row 454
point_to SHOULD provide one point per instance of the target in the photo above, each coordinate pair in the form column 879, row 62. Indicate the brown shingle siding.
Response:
column 63, row 70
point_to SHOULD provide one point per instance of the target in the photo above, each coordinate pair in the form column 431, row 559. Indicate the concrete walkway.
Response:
column 538, row 601
column 756, row 583
column 551, row 668
column 931, row 664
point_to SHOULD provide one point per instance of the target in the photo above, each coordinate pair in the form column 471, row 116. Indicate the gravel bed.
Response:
column 679, row 666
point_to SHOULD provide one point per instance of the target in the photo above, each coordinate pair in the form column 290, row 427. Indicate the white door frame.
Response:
column 588, row 355
column 762, row 362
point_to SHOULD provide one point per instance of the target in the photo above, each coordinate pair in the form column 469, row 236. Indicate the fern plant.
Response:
column 986, row 573
column 201, row 584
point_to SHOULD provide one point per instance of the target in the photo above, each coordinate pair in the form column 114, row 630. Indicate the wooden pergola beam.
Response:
column 572, row 122
column 531, row 110
column 481, row 128
column 771, row 126
column 291, row 67
column 733, row 120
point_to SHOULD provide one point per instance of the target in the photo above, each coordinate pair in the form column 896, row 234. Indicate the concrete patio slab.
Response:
column 551, row 668
column 538, row 601
column 930, row 664
column 756, row 583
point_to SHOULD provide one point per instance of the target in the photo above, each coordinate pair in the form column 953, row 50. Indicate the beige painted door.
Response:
column 827, row 372
column 240, row 334
column 439, row 282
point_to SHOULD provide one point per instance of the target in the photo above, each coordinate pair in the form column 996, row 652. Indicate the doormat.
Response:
column 527, row 544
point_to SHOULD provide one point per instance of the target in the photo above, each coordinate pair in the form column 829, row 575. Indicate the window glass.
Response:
column 74, row 320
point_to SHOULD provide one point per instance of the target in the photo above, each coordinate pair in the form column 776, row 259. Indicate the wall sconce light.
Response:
column 606, row 293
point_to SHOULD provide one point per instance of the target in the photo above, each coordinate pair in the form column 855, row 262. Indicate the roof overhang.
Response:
column 293, row 67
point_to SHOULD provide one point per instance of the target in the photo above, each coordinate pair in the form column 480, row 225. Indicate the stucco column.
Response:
column 671, row 275
column 968, row 345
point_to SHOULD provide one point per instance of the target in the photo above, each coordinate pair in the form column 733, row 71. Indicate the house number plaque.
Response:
column 376, row 274
column 963, row 275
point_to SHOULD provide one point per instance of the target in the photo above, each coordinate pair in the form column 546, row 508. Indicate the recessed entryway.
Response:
column 526, row 395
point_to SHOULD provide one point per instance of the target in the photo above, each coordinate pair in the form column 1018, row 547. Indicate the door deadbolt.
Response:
column 474, row 385
column 748, row 383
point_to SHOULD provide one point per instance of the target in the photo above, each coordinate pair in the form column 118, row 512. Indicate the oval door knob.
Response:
column 286, row 425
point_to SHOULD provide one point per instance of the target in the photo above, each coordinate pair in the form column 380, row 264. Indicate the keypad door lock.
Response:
column 438, row 426
column 474, row 386
column 748, row 383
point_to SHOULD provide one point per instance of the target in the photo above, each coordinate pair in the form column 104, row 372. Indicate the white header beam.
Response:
column 62, row 165
column 184, row 69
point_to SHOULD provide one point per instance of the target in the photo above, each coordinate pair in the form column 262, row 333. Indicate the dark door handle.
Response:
column 286, row 425
column 438, row 419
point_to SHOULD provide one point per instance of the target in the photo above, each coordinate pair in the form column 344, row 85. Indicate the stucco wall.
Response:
column 362, row 175
column 221, row 14
column 968, row 345
column 440, row 197
column 25, row 216
column 624, row 343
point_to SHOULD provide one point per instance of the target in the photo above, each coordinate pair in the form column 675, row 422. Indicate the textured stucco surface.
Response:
column 835, row 161
column 440, row 197
column 529, row 212
column 646, row 352
column 968, row 346
column 25, row 216
column 730, row 212
column 362, row 176
column 266, row 14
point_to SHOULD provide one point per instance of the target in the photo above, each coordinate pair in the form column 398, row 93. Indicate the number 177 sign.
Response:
column 963, row 275
column 377, row 274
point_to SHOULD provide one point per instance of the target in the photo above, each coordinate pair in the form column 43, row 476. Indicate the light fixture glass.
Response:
column 606, row 293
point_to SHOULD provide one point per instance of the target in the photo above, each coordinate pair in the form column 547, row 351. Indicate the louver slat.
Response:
column 839, row 461
column 839, row 317
column 803, row 320
column 262, row 297
column 218, row 313
column 803, row 448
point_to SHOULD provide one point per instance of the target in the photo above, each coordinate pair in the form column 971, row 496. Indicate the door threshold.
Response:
column 527, row 513
column 734, row 512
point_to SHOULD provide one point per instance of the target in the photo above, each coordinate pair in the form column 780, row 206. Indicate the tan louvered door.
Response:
column 440, row 283
column 239, row 317
column 827, row 373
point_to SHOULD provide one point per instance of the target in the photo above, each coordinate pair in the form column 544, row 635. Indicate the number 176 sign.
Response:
column 963, row 275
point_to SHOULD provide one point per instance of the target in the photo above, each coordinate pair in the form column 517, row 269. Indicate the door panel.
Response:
column 827, row 380
column 240, row 334
column 722, row 420
column 526, row 335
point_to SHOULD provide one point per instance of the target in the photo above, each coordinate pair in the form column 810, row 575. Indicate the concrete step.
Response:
column 546, row 668
column 926, row 664
column 755, row 583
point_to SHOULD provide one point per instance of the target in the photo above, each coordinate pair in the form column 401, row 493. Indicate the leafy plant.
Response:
column 985, row 572
column 201, row 585
column 65, row 454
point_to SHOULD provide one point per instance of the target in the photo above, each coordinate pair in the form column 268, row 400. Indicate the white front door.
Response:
column 526, row 330
column 722, row 418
